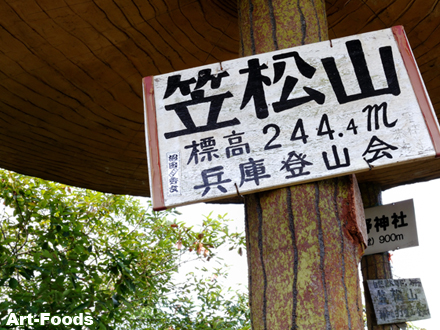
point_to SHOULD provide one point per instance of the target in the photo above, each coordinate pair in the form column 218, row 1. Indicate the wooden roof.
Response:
column 71, row 107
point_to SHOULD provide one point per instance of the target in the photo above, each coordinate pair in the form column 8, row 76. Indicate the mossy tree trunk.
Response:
column 375, row 266
column 304, row 242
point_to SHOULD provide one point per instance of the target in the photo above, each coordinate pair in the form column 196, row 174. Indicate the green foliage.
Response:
column 66, row 250
column 411, row 326
column 215, row 307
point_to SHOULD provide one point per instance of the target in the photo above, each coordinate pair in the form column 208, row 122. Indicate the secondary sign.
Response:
column 280, row 118
column 398, row 300
column 391, row 227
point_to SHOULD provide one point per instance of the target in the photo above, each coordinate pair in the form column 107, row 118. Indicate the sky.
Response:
column 415, row 262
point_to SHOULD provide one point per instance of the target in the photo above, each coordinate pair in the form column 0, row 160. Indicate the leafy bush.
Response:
column 67, row 250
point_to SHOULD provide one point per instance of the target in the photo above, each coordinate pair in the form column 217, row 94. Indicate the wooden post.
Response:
column 304, row 242
column 376, row 266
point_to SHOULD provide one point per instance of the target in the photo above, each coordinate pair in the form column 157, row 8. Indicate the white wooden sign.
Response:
column 398, row 300
column 295, row 115
column 391, row 227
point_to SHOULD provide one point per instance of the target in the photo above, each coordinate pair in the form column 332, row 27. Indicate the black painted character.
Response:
column 399, row 220
column 290, row 82
column 207, row 150
column 198, row 97
column 256, row 81
column 254, row 170
column 378, row 148
column 382, row 222
column 236, row 145
column 338, row 163
column 357, row 57
column 295, row 164
column 212, row 177
column 376, row 108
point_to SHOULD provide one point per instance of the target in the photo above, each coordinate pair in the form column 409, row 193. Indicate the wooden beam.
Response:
column 304, row 242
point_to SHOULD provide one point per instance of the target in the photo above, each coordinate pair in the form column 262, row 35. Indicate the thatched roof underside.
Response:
column 71, row 107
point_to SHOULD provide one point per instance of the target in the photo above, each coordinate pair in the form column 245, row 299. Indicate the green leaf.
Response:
column 65, row 293
column 13, row 283
column 25, row 274
column 79, row 308
column 47, row 254
column 102, row 326
column 115, row 301
column 112, row 255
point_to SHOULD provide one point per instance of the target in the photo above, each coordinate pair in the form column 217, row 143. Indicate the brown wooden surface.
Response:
column 303, row 242
column 303, row 246
column 374, row 266
column 71, row 107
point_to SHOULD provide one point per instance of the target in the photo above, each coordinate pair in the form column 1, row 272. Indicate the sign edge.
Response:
column 418, row 86
column 152, row 144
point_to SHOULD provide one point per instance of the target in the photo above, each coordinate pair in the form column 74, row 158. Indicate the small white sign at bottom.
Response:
column 391, row 227
column 398, row 300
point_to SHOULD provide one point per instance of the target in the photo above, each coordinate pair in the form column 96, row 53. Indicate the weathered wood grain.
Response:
column 303, row 242
column 303, row 256
column 375, row 266
column 70, row 77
